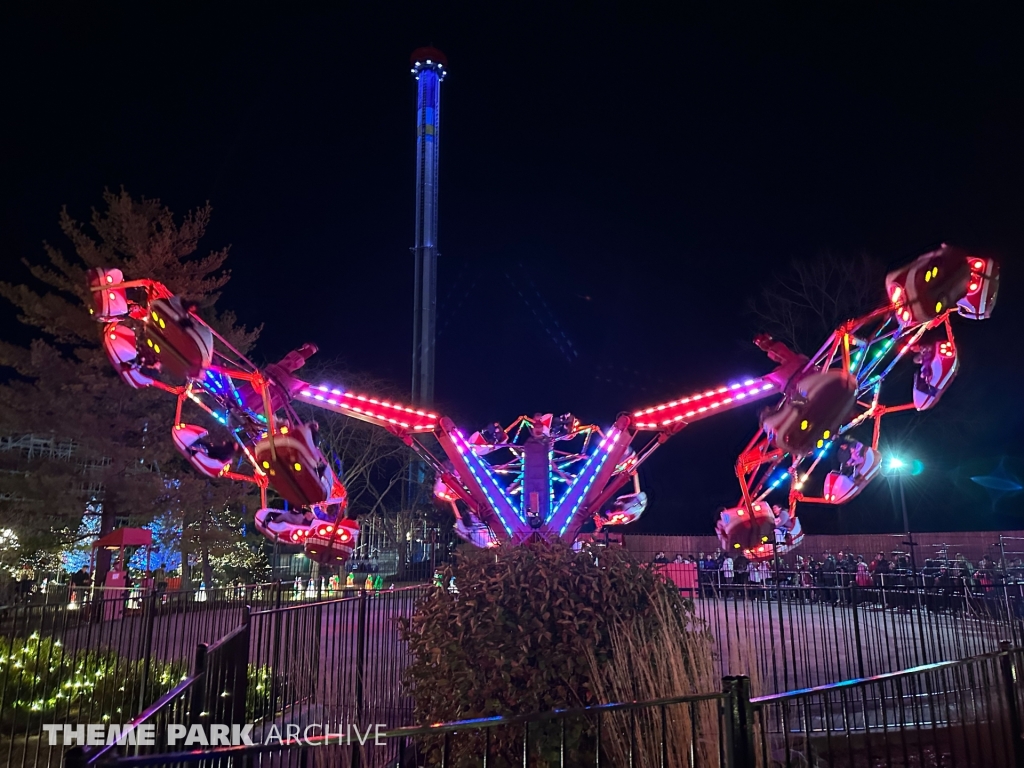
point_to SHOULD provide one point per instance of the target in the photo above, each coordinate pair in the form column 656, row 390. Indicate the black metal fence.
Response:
column 956, row 713
column 337, row 665
column 106, row 654
column 340, row 661
column 788, row 637
column 214, row 693
column 684, row 730
column 329, row 664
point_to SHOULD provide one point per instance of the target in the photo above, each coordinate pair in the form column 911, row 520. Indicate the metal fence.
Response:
column 105, row 654
column 214, row 693
column 331, row 663
column 956, row 713
column 788, row 637
column 684, row 730
column 339, row 661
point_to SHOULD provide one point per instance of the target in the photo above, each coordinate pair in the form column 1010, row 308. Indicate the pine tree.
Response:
column 63, row 385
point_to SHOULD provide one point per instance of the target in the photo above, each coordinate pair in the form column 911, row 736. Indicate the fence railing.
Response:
column 214, row 693
column 688, row 730
column 792, row 637
column 341, row 660
column 955, row 713
column 108, row 653
column 331, row 663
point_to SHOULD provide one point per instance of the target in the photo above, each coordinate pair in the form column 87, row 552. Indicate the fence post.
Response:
column 856, row 630
column 739, row 723
column 360, row 666
column 1009, row 670
column 240, row 689
column 147, row 651
column 198, row 693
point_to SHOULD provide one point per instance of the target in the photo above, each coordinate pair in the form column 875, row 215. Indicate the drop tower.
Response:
column 428, row 67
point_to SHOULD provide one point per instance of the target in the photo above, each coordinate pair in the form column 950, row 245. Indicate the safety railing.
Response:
column 336, row 661
column 790, row 637
column 105, row 655
column 682, row 730
column 956, row 713
column 214, row 693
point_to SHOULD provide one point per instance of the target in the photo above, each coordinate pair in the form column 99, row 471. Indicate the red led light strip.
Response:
column 701, row 405
column 362, row 406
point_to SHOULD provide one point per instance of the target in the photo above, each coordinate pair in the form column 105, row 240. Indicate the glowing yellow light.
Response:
column 156, row 348
column 284, row 430
column 927, row 275
column 938, row 306
column 821, row 443
column 163, row 324
column 827, row 434
column 298, row 467
column 266, row 465
column 150, row 342
column 803, row 424
column 156, row 316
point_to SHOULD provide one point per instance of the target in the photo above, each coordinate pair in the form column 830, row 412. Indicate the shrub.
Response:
column 530, row 629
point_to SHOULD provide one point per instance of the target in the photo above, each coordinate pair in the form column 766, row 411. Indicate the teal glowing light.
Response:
column 899, row 466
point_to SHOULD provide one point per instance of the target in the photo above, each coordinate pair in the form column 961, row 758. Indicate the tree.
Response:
column 63, row 386
column 804, row 305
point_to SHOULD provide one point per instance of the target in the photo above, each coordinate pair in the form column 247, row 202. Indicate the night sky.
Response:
column 616, row 185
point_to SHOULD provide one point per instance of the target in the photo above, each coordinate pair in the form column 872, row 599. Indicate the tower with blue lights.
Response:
column 428, row 67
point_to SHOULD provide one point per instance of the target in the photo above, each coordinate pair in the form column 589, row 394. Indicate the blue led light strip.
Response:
column 467, row 453
column 604, row 448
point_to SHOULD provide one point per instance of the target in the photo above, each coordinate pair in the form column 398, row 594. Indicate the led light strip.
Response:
column 466, row 452
column 604, row 448
column 737, row 397
column 337, row 397
column 692, row 398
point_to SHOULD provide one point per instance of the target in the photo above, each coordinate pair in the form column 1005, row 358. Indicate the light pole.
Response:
column 899, row 467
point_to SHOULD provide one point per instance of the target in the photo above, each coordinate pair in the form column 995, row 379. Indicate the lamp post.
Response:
column 899, row 467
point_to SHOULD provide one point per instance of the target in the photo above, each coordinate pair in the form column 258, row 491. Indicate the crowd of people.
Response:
column 842, row 569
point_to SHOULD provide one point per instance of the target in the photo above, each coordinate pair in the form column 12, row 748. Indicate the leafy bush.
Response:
column 529, row 630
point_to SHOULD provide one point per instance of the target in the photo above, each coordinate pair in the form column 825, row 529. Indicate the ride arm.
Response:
column 398, row 419
column 591, row 482
column 486, row 496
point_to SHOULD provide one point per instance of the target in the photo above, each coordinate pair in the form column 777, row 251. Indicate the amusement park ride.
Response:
column 544, row 476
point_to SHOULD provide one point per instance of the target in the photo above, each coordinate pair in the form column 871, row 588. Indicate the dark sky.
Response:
column 616, row 184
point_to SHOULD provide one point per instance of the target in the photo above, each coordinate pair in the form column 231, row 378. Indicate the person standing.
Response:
column 727, row 571
column 741, row 571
